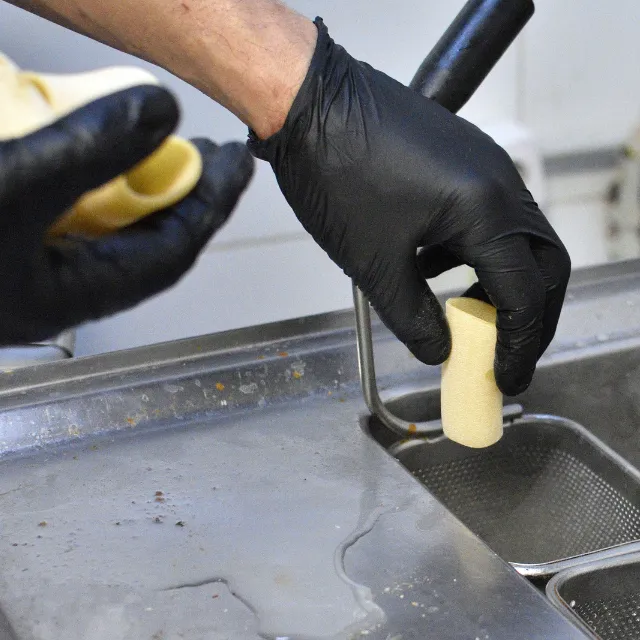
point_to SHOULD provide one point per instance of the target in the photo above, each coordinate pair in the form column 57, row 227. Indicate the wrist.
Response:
column 272, row 85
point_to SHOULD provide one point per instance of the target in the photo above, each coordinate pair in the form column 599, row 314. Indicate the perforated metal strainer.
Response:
column 604, row 596
column 548, row 496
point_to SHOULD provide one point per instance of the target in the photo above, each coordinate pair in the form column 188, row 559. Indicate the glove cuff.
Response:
column 299, row 115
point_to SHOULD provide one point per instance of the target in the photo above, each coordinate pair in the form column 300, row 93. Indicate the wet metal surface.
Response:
column 223, row 488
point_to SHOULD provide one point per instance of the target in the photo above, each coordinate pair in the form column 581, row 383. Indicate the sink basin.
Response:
column 555, row 492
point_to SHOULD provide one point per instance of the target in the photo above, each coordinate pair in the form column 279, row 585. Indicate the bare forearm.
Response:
column 249, row 55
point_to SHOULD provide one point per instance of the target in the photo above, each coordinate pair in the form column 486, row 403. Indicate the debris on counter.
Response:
column 43, row 523
column 180, row 523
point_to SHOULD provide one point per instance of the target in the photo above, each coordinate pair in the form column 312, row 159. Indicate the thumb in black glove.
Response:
column 49, row 285
column 377, row 173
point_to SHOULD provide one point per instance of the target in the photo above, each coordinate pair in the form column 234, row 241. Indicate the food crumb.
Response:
column 159, row 493
column 215, row 595
column 572, row 604
column 414, row 604
column 412, row 428
column 180, row 523
column 117, row 523
column 297, row 375
column 159, row 499
column 158, row 519
column 219, row 386
column 43, row 523
column 283, row 354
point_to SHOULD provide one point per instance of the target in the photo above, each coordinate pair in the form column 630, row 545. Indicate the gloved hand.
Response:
column 395, row 188
column 49, row 285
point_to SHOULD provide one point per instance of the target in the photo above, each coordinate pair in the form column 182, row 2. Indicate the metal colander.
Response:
column 604, row 596
column 544, row 497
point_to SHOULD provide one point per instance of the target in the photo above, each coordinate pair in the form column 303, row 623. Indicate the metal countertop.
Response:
column 223, row 487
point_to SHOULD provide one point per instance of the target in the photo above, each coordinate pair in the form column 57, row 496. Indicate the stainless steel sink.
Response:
column 561, row 487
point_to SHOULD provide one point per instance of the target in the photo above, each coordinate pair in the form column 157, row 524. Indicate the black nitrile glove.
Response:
column 49, row 285
column 395, row 189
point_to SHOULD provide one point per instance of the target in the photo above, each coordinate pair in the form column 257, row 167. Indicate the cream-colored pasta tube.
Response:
column 159, row 181
column 29, row 101
column 471, row 402
column 66, row 92
column 23, row 108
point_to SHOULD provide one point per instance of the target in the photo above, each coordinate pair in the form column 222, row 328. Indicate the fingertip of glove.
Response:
column 159, row 109
column 432, row 352
column 147, row 110
column 227, row 169
column 241, row 158
column 513, row 386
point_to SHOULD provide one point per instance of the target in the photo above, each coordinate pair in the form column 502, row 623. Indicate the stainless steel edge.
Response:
column 552, row 589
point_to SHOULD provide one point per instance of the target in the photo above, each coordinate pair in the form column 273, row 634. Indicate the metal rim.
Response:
column 628, row 554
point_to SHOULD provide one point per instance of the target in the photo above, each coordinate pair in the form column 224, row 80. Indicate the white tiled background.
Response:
column 573, row 80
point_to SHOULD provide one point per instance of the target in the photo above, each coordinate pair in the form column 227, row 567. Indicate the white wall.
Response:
column 572, row 79
column 580, row 80
column 579, row 90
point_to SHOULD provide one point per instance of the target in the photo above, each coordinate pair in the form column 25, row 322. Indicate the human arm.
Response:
column 249, row 55
column 392, row 186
